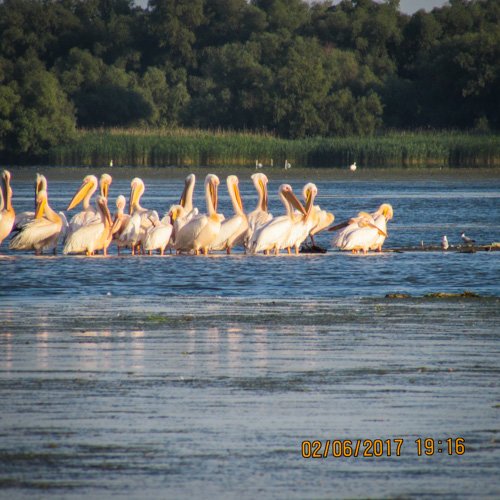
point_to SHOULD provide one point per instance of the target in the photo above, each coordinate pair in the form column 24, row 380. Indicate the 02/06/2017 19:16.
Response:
column 368, row 448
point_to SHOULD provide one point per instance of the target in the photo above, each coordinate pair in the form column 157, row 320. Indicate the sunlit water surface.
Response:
column 168, row 377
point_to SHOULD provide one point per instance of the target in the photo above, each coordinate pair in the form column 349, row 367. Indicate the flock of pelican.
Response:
column 183, row 228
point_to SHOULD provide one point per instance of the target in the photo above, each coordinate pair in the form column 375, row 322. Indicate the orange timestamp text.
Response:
column 368, row 448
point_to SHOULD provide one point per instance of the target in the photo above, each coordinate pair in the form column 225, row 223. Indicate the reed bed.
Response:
column 192, row 147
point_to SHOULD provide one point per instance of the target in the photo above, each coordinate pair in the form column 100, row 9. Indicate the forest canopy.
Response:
column 286, row 67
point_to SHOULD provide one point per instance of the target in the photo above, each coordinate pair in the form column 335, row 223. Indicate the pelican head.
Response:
column 121, row 201
column 104, row 183
column 187, row 194
column 6, row 176
column 386, row 210
column 41, row 203
column 211, row 184
column 175, row 211
column 89, row 185
column 232, row 186
column 260, row 182
column 136, row 191
column 309, row 193
column 286, row 191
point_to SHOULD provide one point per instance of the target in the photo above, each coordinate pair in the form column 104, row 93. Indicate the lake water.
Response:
column 183, row 376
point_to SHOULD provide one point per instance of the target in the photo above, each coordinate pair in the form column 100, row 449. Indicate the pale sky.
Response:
column 411, row 6
column 407, row 6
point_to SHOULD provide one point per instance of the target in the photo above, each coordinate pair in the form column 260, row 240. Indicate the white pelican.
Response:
column 95, row 235
column 381, row 217
column 233, row 230
column 272, row 235
column 158, row 235
column 120, row 221
column 25, row 217
column 303, row 222
column 83, row 194
column 199, row 233
column 320, row 219
column 7, row 213
column 43, row 232
column 359, row 234
column 179, row 215
column 260, row 216
column 135, row 231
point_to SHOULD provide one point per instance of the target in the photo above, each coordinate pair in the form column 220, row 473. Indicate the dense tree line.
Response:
column 285, row 66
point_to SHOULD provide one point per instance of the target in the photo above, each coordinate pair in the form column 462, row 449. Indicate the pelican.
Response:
column 353, row 167
column 200, row 232
column 272, row 235
column 260, row 216
column 42, row 233
column 381, row 217
column 158, row 235
column 303, row 222
column 104, row 183
column 83, row 194
column 361, row 233
column 179, row 215
column 25, row 217
column 322, row 219
column 96, row 235
column 120, row 221
column 232, row 230
column 7, row 213
column 135, row 231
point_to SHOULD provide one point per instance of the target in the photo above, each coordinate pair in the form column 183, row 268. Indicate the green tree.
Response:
column 35, row 114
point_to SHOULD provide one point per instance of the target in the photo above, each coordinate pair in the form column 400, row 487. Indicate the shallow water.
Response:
column 172, row 377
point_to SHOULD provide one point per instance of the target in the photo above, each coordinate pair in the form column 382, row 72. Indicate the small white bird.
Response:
column 444, row 243
column 467, row 240
column 288, row 165
column 353, row 167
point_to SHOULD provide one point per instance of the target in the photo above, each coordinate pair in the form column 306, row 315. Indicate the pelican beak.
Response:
column 105, row 210
column 338, row 226
column 213, row 194
column 134, row 198
column 115, row 226
column 264, row 195
column 104, row 189
column 80, row 194
column 238, row 196
column 295, row 202
column 383, row 233
column 40, row 207
column 309, row 201
column 182, row 201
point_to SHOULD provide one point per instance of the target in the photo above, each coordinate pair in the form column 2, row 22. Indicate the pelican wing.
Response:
column 85, row 239
column 231, row 232
column 37, row 234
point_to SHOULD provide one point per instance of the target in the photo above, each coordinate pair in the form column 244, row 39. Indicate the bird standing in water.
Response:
column 444, row 243
column 467, row 240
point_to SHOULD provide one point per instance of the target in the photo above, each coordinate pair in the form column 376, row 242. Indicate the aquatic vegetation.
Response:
column 195, row 147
